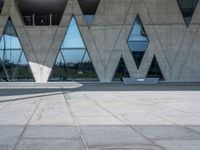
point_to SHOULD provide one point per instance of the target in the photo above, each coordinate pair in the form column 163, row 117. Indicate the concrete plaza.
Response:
column 74, row 116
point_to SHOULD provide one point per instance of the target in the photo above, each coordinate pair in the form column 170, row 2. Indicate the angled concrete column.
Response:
column 73, row 9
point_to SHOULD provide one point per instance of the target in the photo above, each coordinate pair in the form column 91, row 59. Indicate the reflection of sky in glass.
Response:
column 12, row 57
column 73, row 56
column 73, row 48
column 1, row 55
column 89, row 19
column 138, row 46
column 138, row 40
column 138, row 33
column 11, row 42
column 73, row 37
column 73, row 61
column 14, row 65
column 10, row 47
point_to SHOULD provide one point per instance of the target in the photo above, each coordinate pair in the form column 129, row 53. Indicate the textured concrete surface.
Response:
column 79, row 116
column 175, row 46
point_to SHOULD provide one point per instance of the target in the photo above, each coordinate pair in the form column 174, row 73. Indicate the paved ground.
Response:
column 99, row 117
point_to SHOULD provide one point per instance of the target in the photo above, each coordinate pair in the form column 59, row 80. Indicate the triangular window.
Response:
column 138, row 41
column 154, row 70
column 121, row 71
column 187, row 8
column 89, row 8
column 13, row 63
column 73, row 62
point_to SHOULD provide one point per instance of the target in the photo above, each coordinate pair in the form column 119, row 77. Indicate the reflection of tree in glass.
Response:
column 74, row 71
column 13, row 63
column 73, row 61
column 15, row 72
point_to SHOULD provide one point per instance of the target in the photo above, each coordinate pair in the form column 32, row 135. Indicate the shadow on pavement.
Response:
column 7, row 91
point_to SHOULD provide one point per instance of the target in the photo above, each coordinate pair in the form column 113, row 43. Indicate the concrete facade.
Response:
column 176, row 47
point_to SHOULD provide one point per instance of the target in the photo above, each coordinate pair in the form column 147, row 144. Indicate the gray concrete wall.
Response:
column 177, row 48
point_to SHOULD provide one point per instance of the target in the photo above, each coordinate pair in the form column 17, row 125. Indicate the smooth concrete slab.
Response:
column 86, row 108
column 195, row 128
column 111, row 136
column 98, row 121
column 135, row 147
column 167, row 132
column 50, row 144
column 9, row 136
column 52, row 111
column 179, row 144
column 3, row 105
column 42, row 132
column 19, row 112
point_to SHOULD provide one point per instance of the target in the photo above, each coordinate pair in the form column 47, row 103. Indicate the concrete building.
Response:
column 169, row 30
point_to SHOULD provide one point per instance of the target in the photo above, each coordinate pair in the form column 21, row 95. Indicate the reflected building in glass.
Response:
column 138, row 41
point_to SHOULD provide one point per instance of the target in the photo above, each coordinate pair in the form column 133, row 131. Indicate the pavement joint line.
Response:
column 172, row 107
column 127, row 147
column 131, row 127
column 74, row 118
column 192, row 130
column 67, row 97
column 176, row 138
column 183, row 126
column 168, row 120
column 23, row 98
column 27, row 123
column 11, row 102
column 164, row 119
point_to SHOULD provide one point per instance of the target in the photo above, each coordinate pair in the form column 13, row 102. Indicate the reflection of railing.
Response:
column 44, row 20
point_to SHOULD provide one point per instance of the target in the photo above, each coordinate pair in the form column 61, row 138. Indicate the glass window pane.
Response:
column 89, row 19
column 73, row 37
column 121, row 71
column 73, row 61
column 187, row 8
column 89, row 8
column 73, row 56
column 13, row 65
column 154, row 70
column 138, row 41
